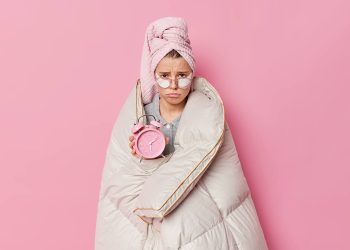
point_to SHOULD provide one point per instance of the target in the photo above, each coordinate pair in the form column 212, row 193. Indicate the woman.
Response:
column 196, row 196
column 170, row 99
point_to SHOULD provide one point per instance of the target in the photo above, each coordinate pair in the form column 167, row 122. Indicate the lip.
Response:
column 173, row 95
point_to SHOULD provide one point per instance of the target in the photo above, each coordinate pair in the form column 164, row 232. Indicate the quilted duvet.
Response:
column 196, row 198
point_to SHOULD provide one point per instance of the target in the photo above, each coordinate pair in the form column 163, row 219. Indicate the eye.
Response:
column 182, row 75
column 163, row 75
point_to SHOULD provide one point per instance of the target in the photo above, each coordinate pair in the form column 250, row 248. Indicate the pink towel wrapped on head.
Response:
column 162, row 36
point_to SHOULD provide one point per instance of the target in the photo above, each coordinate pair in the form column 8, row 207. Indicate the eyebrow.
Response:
column 180, row 72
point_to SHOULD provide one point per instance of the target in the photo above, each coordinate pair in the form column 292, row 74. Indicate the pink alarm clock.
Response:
column 149, row 140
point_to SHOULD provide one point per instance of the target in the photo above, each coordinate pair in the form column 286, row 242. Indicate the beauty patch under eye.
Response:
column 184, row 82
column 163, row 83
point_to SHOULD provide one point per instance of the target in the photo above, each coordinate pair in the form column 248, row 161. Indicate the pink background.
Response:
column 282, row 68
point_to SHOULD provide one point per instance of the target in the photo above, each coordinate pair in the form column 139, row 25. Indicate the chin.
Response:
column 175, row 100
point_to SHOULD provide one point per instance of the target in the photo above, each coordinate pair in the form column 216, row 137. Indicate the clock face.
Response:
column 150, row 143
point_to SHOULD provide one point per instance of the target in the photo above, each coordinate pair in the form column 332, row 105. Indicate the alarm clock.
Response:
column 149, row 140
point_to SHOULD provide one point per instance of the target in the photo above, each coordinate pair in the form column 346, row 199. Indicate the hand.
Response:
column 157, row 223
column 131, row 145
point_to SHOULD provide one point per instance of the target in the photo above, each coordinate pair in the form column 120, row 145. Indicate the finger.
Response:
column 131, row 137
column 167, row 139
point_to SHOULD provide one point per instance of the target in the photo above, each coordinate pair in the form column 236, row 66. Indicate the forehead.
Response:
column 168, row 64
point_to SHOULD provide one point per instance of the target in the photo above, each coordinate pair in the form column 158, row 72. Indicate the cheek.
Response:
column 161, row 92
column 186, row 92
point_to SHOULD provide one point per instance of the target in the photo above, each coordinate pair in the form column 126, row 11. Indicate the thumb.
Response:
column 167, row 139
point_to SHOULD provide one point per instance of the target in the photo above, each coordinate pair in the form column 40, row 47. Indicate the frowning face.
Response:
column 173, row 69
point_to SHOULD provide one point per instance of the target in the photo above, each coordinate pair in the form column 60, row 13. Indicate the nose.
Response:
column 173, row 83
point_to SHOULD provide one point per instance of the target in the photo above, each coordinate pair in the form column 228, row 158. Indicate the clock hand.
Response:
column 153, row 141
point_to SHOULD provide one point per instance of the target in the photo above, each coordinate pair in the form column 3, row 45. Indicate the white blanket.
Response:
column 195, row 198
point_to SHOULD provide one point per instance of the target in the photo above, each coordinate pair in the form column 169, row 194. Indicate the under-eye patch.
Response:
column 183, row 82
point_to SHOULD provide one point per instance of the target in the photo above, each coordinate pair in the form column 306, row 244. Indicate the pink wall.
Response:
column 282, row 68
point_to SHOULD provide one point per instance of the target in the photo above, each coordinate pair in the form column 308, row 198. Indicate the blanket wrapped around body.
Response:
column 195, row 198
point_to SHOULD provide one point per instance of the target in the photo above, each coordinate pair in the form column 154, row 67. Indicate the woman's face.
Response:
column 173, row 68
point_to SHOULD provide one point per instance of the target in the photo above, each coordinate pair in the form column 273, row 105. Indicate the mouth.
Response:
column 174, row 95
